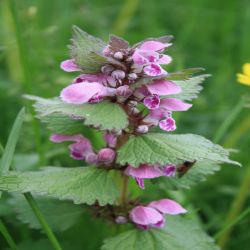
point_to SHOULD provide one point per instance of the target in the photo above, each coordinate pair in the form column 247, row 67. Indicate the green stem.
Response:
column 7, row 236
column 235, row 209
column 228, row 121
column 1, row 149
column 124, row 190
column 42, row 221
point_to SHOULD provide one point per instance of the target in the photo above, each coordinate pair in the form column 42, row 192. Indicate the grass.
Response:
column 33, row 38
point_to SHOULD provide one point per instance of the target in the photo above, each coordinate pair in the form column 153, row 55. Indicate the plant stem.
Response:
column 235, row 209
column 228, row 121
column 7, row 236
column 42, row 221
column 124, row 191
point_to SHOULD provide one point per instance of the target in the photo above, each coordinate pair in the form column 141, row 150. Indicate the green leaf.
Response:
column 190, row 88
column 197, row 173
column 105, row 115
column 185, row 74
column 86, row 50
column 63, row 124
column 161, row 148
column 60, row 215
column 11, row 143
column 81, row 185
column 179, row 234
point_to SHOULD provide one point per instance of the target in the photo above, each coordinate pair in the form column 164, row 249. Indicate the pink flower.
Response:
column 106, row 155
column 83, row 92
column 146, row 217
column 80, row 150
column 148, row 56
column 110, row 139
column 146, row 171
column 69, row 66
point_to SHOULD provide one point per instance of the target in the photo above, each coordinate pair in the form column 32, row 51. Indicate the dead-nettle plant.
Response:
column 126, row 93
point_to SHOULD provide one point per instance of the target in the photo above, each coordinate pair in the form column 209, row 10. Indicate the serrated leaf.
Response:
column 104, row 115
column 190, row 88
column 81, row 185
column 153, row 148
column 179, row 234
column 63, row 124
column 185, row 74
column 86, row 50
column 60, row 215
column 197, row 173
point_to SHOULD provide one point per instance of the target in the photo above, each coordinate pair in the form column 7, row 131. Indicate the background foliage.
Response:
column 33, row 38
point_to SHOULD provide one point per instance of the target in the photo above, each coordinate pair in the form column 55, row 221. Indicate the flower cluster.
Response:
column 117, row 81
column 134, row 78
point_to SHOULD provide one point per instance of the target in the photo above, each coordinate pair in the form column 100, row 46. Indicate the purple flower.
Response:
column 80, row 150
column 146, row 171
column 146, row 217
column 83, row 92
column 110, row 139
column 69, row 66
column 147, row 55
column 106, row 155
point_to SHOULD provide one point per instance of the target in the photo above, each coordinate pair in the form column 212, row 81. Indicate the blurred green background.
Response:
column 213, row 34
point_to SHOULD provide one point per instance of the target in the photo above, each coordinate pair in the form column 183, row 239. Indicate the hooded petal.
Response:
column 144, row 172
column 163, row 87
column 99, row 78
column 138, row 58
column 154, row 69
column 69, row 66
column 164, row 59
column 61, row 138
column 82, row 92
column 173, row 104
column 154, row 45
column 167, row 206
column 145, row 216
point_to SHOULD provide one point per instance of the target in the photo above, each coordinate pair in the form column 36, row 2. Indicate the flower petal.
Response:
column 61, row 138
column 246, row 69
column 164, row 59
column 167, row 206
column 138, row 58
column 152, row 101
column 154, row 69
column 244, row 79
column 145, row 216
column 144, row 171
column 82, row 92
column 168, row 124
column 154, row 45
column 69, row 66
column 163, row 87
column 173, row 104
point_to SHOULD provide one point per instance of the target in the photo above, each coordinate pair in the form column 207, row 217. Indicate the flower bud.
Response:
column 106, row 155
column 118, row 55
column 121, row 220
column 91, row 158
column 142, row 129
column 118, row 74
column 107, row 69
column 132, row 76
column 124, row 91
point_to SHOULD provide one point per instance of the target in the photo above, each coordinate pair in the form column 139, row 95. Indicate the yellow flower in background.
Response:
column 245, row 77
